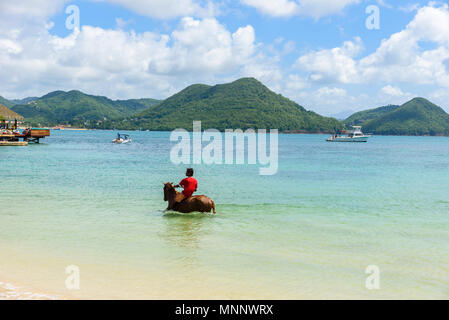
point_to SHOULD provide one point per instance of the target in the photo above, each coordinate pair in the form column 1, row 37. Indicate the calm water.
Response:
column 309, row 231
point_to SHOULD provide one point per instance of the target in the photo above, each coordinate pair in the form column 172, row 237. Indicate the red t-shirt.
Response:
column 190, row 185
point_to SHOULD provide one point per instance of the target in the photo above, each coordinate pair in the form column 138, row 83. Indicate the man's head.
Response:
column 189, row 172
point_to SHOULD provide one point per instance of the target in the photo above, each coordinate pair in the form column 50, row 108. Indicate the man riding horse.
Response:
column 190, row 185
column 185, row 202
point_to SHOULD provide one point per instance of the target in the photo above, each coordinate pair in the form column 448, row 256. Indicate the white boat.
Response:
column 354, row 135
column 122, row 138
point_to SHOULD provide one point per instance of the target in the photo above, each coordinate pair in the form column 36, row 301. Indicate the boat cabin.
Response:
column 355, row 132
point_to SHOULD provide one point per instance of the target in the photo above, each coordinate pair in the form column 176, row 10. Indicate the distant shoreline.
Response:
column 57, row 129
column 280, row 132
column 69, row 129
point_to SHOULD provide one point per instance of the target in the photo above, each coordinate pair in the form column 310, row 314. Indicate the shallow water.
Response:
column 309, row 231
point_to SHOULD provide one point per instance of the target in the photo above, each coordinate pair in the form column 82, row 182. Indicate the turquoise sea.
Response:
column 310, row 231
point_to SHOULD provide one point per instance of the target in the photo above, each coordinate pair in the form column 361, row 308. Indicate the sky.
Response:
column 330, row 56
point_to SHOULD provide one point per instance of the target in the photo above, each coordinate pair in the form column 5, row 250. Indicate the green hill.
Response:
column 78, row 109
column 6, row 102
column 24, row 100
column 12, row 102
column 245, row 103
column 362, row 117
column 137, row 105
column 416, row 117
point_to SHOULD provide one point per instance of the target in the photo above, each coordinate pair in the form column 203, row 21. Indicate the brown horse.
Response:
column 196, row 203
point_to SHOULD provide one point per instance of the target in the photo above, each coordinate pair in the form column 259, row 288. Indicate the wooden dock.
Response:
column 4, row 143
column 31, row 135
column 9, row 133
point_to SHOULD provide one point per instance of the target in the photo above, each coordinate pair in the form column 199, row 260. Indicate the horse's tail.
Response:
column 213, row 206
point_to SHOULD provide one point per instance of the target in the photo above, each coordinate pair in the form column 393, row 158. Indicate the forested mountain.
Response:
column 5, row 102
column 77, row 108
column 416, row 117
column 362, row 117
column 245, row 103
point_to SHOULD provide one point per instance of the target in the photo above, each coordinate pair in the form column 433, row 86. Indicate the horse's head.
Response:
column 168, row 188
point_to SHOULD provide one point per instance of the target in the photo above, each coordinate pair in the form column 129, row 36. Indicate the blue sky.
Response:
column 318, row 53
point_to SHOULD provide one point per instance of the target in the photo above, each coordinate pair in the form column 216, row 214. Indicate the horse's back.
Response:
column 199, row 203
column 202, row 197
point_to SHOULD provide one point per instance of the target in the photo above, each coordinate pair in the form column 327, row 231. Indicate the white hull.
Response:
column 348, row 139
column 121, row 141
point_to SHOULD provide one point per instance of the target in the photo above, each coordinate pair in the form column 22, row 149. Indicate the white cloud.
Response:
column 392, row 91
column 400, row 58
column 333, row 65
column 160, row 9
column 265, row 69
column 122, row 64
column 327, row 100
column 296, row 83
column 288, row 8
column 10, row 46
column 441, row 98
column 167, row 9
column 30, row 8
column 383, row 3
column 204, row 45
column 410, row 7
column 277, row 8
column 27, row 16
column 122, row 23
column 390, row 94
column 331, row 92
